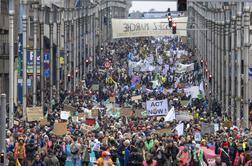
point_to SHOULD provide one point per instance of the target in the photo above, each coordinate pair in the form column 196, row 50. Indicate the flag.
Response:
column 250, row 71
column 17, row 163
column 97, row 126
column 171, row 115
column 180, row 129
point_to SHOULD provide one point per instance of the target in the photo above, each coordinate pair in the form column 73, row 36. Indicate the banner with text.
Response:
column 157, row 107
column 124, row 28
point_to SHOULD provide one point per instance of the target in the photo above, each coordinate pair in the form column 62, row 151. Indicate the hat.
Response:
column 105, row 154
column 225, row 144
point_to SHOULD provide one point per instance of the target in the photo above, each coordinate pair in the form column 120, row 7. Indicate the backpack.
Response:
column 68, row 150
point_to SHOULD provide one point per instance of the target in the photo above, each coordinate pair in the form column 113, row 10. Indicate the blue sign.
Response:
column 250, row 71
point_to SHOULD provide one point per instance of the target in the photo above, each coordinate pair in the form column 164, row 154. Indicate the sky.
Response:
column 144, row 6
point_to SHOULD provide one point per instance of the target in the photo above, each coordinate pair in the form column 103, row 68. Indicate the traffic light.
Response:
column 1, row 158
column 210, row 78
column 182, row 5
column 174, row 28
column 69, row 77
column 168, row 12
column 201, row 63
column 170, row 21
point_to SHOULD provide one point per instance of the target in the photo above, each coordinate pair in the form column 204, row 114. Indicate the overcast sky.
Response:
column 145, row 6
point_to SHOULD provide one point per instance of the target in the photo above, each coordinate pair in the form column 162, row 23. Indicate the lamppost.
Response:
column 11, row 61
column 58, row 56
column 35, row 51
column 24, row 19
column 41, row 21
column 51, row 52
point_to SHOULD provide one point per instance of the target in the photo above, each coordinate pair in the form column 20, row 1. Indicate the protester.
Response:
column 108, row 122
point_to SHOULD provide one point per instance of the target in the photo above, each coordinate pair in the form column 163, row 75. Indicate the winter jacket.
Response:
column 51, row 160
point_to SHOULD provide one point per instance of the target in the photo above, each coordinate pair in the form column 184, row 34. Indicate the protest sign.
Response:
column 227, row 124
column 135, row 98
column 197, row 136
column 183, row 116
column 34, row 114
column 69, row 108
column 95, row 87
column 157, row 107
column 127, row 112
column 95, row 113
column 64, row 115
column 43, row 122
column 60, row 128
column 90, row 121
column 16, row 122
column 207, row 128
column 180, row 129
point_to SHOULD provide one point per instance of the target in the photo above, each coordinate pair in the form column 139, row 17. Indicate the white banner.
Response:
column 181, row 68
column 124, row 28
column 157, row 107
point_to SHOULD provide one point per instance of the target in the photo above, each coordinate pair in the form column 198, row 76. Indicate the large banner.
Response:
column 157, row 107
column 125, row 28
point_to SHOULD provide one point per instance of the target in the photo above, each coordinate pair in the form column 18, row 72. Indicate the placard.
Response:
column 127, row 112
column 157, row 107
column 60, row 128
column 95, row 113
column 64, row 115
column 197, row 136
column 34, row 114
column 183, row 116
column 227, row 124
column 95, row 87
column 69, row 108
column 43, row 122
column 136, row 98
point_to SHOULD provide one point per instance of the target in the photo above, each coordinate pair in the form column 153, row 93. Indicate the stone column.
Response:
column 246, row 61
column 233, row 22
column 238, row 65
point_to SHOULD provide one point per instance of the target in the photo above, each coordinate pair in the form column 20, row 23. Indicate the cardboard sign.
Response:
column 60, row 128
column 43, row 122
column 69, row 108
column 227, row 124
column 95, row 113
column 135, row 98
column 127, row 112
column 34, row 114
column 163, row 131
column 207, row 128
column 112, row 99
column 16, row 122
column 95, row 87
column 157, row 107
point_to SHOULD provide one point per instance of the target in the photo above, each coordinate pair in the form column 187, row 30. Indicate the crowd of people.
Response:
column 151, row 69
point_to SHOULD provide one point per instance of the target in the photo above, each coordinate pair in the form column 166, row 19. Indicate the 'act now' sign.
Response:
column 157, row 107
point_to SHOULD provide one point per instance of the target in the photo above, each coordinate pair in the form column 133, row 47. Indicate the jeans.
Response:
column 76, row 161
column 84, row 163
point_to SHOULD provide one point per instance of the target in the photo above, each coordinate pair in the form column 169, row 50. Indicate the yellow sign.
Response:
column 34, row 114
